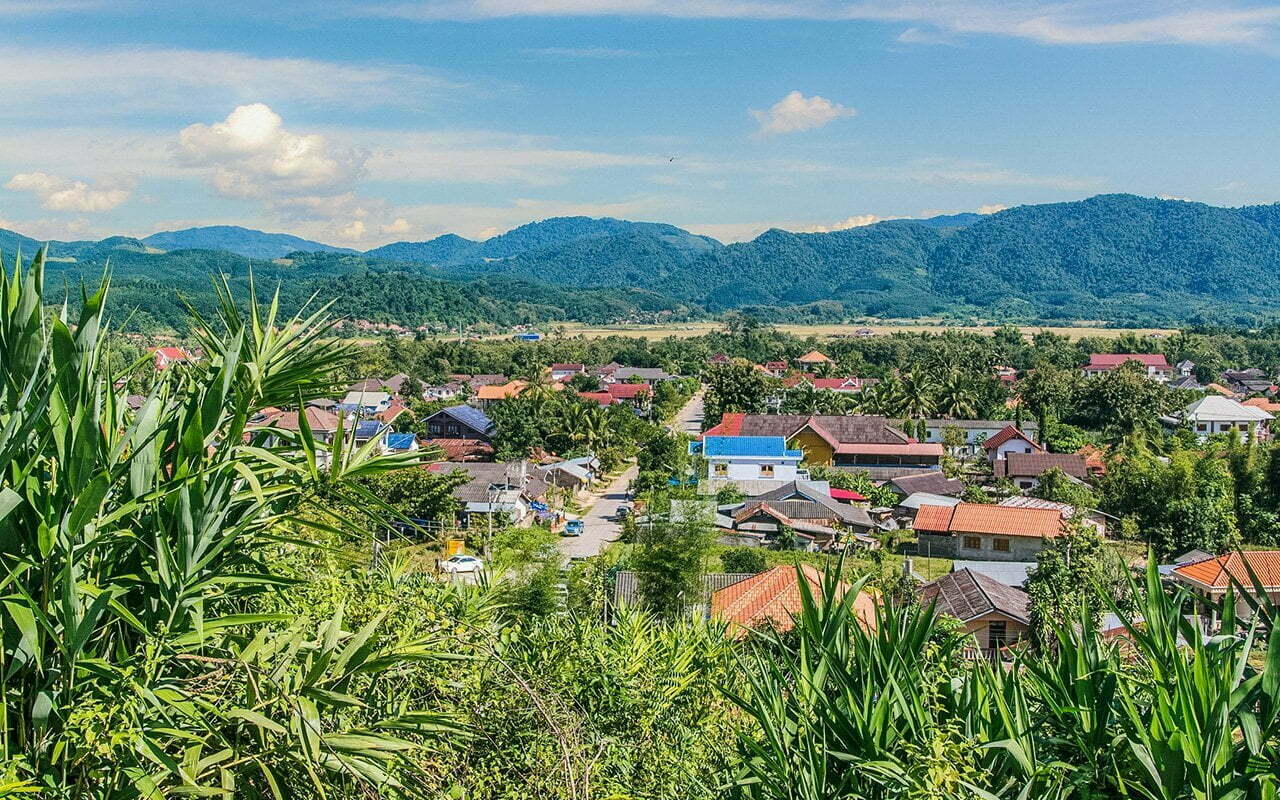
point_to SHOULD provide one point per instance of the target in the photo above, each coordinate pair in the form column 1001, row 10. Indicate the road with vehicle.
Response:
column 600, row 523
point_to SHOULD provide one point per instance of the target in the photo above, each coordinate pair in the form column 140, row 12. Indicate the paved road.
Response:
column 689, row 419
column 598, row 524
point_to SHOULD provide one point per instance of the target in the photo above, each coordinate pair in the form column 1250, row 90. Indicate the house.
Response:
column 1025, row 469
column 401, row 443
column 1248, row 381
column 368, row 430
column 460, row 422
column 1005, row 374
column 395, row 384
column 736, row 458
column 575, row 474
column 775, row 368
column 1185, row 368
column 996, row 615
column 1010, row 573
column 909, row 506
column 1214, row 414
column 806, row 508
column 164, row 357
column 1009, row 440
column 848, row 385
column 1270, row 406
column 528, row 336
column 367, row 385
column 985, row 532
column 649, row 375
column 1212, row 577
column 508, row 489
column 1091, row 517
column 461, row 449
column 443, row 391
column 932, row 482
column 772, row 598
column 977, row 431
column 1155, row 364
column 813, row 358
column 487, row 395
column 365, row 402
column 323, row 424
column 322, row 403
column 563, row 372
column 860, row 442
column 474, row 382
column 1186, row 382
column 718, row 359
column 602, row 399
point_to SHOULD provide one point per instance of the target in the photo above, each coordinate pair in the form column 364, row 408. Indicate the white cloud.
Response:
column 126, row 81
column 483, row 157
column 991, row 208
column 353, row 232
column 57, row 193
column 400, row 225
column 1076, row 22
column 795, row 113
column 950, row 171
column 253, row 155
column 855, row 221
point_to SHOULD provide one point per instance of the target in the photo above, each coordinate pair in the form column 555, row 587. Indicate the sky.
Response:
column 362, row 123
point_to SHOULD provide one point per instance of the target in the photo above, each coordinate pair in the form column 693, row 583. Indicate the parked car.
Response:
column 459, row 564
column 623, row 512
column 573, row 527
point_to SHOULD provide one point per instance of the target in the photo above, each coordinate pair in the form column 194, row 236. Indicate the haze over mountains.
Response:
column 1110, row 257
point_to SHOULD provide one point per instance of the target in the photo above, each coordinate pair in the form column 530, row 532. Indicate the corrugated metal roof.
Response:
column 747, row 447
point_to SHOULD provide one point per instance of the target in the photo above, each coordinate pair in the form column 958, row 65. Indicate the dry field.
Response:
column 827, row 331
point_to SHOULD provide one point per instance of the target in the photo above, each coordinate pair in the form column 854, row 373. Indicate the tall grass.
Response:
column 1162, row 712
column 132, row 545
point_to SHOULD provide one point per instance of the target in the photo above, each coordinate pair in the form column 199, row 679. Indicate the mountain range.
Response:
column 1112, row 257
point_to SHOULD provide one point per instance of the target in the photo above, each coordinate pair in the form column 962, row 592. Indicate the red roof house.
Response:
column 773, row 598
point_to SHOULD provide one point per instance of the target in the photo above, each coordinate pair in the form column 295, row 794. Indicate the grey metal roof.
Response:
column 1010, row 573
column 965, row 595
column 934, row 482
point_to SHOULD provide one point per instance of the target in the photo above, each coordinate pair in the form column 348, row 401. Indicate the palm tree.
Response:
column 955, row 397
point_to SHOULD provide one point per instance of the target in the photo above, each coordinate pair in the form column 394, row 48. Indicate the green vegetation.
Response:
column 180, row 616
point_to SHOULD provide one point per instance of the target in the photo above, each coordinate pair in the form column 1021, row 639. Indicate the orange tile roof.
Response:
column 989, row 519
column 773, row 597
column 730, row 425
column 501, row 391
column 813, row 357
column 1270, row 406
column 1218, row 572
column 1220, row 389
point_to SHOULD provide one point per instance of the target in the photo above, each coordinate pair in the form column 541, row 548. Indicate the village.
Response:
column 965, row 507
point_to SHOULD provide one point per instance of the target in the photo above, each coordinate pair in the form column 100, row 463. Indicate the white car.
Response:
column 459, row 564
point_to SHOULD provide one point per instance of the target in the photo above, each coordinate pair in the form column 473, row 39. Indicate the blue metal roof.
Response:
column 472, row 417
column 401, row 441
column 748, row 446
column 369, row 428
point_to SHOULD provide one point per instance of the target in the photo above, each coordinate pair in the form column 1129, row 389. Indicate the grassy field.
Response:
column 688, row 329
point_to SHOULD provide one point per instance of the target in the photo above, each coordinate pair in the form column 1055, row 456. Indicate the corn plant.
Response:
column 133, row 544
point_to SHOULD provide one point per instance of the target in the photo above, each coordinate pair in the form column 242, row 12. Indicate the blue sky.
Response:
column 364, row 123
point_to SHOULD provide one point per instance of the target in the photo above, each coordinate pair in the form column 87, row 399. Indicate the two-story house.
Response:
column 749, row 458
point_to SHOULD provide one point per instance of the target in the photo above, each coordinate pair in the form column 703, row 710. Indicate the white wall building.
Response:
column 750, row 458
column 1217, row 414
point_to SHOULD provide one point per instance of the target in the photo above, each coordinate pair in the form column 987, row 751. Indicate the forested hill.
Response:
column 1113, row 257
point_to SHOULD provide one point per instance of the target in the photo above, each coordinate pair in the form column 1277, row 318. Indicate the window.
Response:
column 720, row 469
column 766, row 470
column 1202, row 427
column 1000, row 545
column 972, row 543
column 997, row 635
column 1026, row 484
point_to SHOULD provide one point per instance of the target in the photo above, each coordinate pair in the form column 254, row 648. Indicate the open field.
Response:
column 688, row 329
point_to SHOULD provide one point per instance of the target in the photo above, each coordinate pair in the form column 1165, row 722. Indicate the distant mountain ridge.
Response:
column 241, row 241
column 1111, row 257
